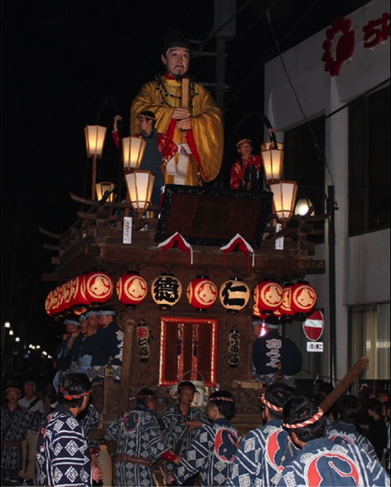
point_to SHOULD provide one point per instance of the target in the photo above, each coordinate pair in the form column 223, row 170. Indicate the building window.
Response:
column 370, row 337
column 369, row 163
column 304, row 164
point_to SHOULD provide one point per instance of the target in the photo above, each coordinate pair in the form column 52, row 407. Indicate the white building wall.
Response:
column 363, row 262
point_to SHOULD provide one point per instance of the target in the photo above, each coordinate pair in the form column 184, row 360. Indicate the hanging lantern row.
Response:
column 297, row 300
column 96, row 288
column 79, row 293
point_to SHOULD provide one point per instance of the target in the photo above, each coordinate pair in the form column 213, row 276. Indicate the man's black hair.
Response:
column 144, row 396
column 349, row 409
column 376, row 406
column 299, row 409
column 149, row 115
column 278, row 395
column 74, row 384
column 175, row 39
column 224, row 401
column 186, row 383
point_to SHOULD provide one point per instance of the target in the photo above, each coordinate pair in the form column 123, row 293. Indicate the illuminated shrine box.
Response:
column 213, row 216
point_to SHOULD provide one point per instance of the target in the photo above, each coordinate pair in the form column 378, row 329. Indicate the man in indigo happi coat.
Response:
column 139, row 443
column 63, row 457
column 264, row 452
column 320, row 461
column 182, row 423
column 213, row 451
column 343, row 431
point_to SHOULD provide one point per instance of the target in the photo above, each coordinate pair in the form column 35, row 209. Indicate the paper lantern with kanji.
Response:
column 60, row 299
column 268, row 297
column 53, row 306
column 79, row 297
column 234, row 295
column 49, row 304
column 202, row 293
column 67, row 295
column 132, row 289
column 166, row 290
column 98, row 287
column 303, row 299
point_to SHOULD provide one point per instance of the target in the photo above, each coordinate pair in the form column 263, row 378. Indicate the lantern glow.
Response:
column 284, row 199
column 140, row 186
column 273, row 160
column 133, row 149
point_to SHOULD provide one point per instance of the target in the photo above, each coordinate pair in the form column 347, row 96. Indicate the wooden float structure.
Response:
column 95, row 240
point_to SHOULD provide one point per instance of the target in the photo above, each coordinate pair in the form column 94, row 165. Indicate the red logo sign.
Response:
column 341, row 39
column 313, row 326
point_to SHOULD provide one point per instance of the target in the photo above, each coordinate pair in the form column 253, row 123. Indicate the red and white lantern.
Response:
column 98, row 287
column 268, row 297
column 286, row 305
column 132, row 289
column 79, row 297
column 303, row 298
column 202, row 293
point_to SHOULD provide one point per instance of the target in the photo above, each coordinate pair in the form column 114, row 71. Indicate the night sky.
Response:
column 69, row 64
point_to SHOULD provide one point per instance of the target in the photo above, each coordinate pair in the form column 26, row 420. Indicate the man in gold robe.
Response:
column 197, row 130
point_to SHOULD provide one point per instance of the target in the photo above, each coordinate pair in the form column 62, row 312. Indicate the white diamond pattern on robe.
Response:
column 72, row 447
column 57, row 475
column 71, row 474
column 58, row 426
column 73, row 423
column 57, row 449
column 249, row 445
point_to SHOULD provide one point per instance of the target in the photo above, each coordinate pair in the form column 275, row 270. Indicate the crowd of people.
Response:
column 91, row 341
column 297, row 444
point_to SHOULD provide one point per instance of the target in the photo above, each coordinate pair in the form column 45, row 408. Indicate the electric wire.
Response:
column 321, row 156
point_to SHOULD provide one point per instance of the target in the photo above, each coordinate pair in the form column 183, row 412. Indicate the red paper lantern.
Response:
column 53, row 307
column 234, row 295
column 303, row 298
column 286, row 305
column 49, row 303
column 98, row 287
column 166, row 290
column 79, row 297
column 67, row 294
column 268, row 297
column 60, row 299
column 202, row 293
column 132, row 289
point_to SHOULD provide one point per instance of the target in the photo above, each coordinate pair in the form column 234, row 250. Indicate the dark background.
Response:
column 69, row 64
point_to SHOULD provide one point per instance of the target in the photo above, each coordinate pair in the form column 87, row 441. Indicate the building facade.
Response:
column 334, row 89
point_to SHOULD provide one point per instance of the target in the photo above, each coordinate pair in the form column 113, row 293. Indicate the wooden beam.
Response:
column 57, row 236
column 51, row 247
column 129, row 326
column 49, row 277
column 344, row 384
